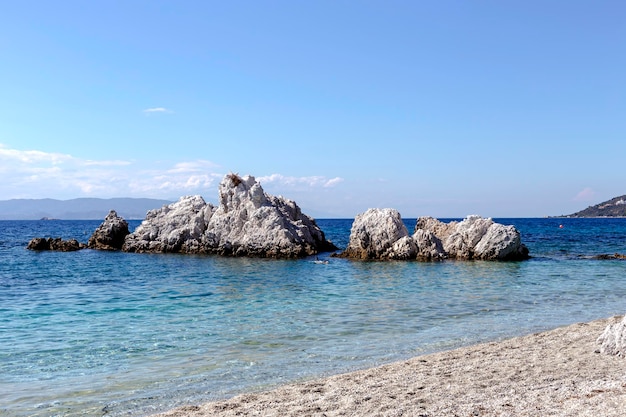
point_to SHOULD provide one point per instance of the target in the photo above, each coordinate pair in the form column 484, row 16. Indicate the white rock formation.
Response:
column 402, row 249
column 177, row 227
column 429, row 247
column 613, row 339
column 476, row 238
column 438, row 228
column 373, row 234
column 467, row 234
column 248, row 222
column 381, row 234
column 499, row 242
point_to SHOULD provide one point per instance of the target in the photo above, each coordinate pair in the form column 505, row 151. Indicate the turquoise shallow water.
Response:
column 100, row 333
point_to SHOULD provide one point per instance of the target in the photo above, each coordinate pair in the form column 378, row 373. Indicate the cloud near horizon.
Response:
column 38, row 174
column 32, row 156
column 587, row 194
column 310, row 181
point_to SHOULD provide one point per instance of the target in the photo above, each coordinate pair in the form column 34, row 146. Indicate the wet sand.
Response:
column 554, row 373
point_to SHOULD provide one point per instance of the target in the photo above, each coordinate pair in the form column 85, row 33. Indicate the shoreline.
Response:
column 559, row 372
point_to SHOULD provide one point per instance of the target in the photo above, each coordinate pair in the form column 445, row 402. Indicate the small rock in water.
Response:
column 55, row 244
column 110, row 234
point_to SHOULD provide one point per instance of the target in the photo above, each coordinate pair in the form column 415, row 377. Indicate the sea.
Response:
column 96, row 333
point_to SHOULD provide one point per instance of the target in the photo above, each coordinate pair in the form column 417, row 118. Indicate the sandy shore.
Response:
column 554, row 373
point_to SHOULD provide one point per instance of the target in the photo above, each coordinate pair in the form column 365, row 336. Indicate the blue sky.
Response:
column 441, row 108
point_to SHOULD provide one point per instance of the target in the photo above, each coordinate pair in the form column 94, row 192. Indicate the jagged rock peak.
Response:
column 110, row 234
column 235, row 191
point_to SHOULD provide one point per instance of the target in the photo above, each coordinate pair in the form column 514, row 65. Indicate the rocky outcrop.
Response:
column 429, row 247
column 177, row 227
column 613, row 339
column 381, row 234
column 247, row 222
column 110, row 234
column 55, row 244
column 476, row 238
column 374, row 233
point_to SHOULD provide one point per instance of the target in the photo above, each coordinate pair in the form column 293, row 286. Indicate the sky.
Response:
column 434, row 108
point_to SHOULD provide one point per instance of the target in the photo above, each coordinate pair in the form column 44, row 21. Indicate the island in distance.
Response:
column 615, row 207
column 77, row 208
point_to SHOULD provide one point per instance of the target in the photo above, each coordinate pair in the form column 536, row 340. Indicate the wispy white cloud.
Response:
column 37, row 160
column 154, row 110
column 316, row 195
column 106, row 163
column 28, row 157
column 37, row 174
column 587, row 194
column 332, row 182
column 192, row 166
column 308, row 181
column 152, row 183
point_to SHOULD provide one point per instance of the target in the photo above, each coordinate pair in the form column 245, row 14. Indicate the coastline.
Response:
column 557, row 372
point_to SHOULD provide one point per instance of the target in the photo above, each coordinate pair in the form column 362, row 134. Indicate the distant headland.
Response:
column 615, row 207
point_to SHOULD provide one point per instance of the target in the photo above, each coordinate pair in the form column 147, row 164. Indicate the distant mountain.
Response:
column 78, row 208
column 615, row 207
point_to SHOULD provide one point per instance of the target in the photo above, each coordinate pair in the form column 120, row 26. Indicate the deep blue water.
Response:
column 105, row 333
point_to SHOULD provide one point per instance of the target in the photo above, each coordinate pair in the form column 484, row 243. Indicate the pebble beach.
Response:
column 554, row 373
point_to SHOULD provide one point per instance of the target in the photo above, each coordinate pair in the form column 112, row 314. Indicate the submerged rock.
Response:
column 55, row 244
column 613, row 339
column 110, row 234
column 381, row 234
column 247, row 222
column 607, row 256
